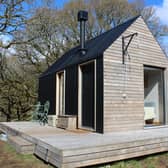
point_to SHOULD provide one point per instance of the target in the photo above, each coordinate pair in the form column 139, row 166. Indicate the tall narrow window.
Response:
column 61, row 93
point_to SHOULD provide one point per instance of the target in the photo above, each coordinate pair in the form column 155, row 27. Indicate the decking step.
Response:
column 21, row 145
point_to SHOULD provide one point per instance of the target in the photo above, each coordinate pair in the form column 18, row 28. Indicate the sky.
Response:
column 161, row 9
column 60, row 3
column 162, row 12
column 154, row 2
column 160, row 5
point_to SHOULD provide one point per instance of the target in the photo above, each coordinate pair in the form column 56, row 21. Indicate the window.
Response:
column 61, row 93
column 154, row 96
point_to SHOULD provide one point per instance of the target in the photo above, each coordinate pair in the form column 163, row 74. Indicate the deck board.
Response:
column 80, row 148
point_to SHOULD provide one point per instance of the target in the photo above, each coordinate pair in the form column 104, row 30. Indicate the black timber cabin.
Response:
column 106, row 83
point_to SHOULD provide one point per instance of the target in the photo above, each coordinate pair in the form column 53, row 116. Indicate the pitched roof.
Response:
column 94, row 48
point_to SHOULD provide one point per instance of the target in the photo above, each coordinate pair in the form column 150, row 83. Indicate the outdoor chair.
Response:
column 37, row 109
column 43, row 114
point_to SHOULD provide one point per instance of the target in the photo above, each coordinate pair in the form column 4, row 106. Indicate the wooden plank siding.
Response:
column 124, row 84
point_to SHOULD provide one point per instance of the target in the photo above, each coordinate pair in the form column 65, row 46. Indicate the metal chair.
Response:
column 37, row 109
column 43, row 116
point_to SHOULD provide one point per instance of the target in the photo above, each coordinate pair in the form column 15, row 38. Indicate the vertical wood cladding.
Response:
column 47, row 91
column 99, row 95
column 71, row 87
column 71, row 90
column 124, row 84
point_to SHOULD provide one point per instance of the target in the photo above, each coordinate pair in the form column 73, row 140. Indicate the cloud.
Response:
column 5, row 39
column 162, row 12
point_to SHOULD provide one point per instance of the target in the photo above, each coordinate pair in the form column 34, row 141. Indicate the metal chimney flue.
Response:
column 82, row 18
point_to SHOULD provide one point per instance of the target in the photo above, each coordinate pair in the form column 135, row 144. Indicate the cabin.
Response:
column 117, row 81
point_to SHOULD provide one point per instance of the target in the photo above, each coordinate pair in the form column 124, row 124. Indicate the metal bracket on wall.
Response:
column 125, row 46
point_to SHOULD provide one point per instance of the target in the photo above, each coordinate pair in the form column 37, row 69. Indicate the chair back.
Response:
column 37, row 107
column 46, row 107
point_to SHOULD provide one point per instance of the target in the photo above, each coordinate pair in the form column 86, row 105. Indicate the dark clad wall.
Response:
column 47, row 91
column 71, row 87
column 71, row 90
column 99, row 95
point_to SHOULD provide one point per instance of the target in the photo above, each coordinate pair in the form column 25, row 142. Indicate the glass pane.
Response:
column 153, row 96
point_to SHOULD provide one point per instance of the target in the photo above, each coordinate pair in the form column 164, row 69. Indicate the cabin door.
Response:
column 88, row 96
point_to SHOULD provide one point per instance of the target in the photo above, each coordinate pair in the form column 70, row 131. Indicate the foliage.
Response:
column 15, row 93
column 39, row 38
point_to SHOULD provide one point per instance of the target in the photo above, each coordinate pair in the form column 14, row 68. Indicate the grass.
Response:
column 10, row 159
column 151, row 161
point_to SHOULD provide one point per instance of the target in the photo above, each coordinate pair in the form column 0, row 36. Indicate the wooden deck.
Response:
column 69, row 149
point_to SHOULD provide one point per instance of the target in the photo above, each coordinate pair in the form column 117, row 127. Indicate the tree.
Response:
column 45, row 46
column 40, row 38
column 52, row 31
column 12, row 18
column 15, row 93
column 158, row 29
column 18, row 89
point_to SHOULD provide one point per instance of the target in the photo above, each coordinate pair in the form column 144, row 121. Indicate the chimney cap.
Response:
column 82, row 15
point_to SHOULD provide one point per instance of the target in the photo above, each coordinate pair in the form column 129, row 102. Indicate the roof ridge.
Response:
column 94, row 46
column 107, row 31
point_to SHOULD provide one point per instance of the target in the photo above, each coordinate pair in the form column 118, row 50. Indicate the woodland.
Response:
column 34, row 34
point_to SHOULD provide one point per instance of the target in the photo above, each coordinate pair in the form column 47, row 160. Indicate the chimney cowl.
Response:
column 82, row 15
column 82, row 18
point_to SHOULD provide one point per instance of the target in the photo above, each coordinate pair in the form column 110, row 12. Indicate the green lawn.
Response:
column 152, row 161
column 10, row 159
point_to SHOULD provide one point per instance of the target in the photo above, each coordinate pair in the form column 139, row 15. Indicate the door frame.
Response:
column 80, row 95
column 163, row 76
column 57, row 92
